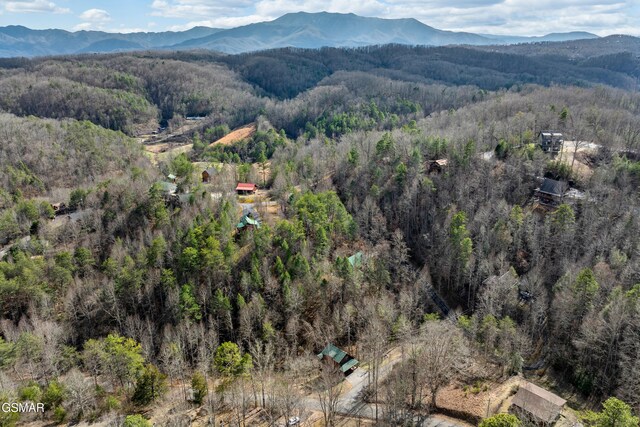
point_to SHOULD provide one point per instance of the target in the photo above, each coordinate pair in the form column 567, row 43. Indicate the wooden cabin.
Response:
column 246, row 188
column 340, row 358
column 208, row 174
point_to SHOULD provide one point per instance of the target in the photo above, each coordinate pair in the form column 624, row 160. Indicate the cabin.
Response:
column 340, row 358
column 537, row 405
column 248, row 222
column 172, row 178
column 208, row 174
column 551, row 141
column 245, row 188
column 551, row 192
column 436, row 166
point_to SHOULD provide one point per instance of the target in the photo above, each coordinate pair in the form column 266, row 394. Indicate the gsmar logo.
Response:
column 22, row 407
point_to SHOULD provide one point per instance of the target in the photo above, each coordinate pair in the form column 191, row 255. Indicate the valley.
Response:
column 344, row 236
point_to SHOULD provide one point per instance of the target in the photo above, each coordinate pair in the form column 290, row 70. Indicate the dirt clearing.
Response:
column 236, row 135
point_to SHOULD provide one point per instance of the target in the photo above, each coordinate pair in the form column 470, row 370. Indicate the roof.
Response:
column 245, row 186
column 247, row 220
column 348, row 365
column 553, row 187
column 333, row 352
column 355, row 259
column 171, row 176
column 541, row 403
column 550, row 134
column 211, row 171
column 339, row 356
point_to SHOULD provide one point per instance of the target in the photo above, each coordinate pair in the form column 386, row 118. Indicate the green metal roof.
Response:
column 356, row 259
column 333, row 352
column 348, row 365
column 247, row 220
column 338, row 355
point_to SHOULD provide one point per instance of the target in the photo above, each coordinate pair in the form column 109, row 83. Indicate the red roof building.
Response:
column 245, row 187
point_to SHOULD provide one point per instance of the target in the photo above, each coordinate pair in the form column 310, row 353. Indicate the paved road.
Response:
column 351, row 405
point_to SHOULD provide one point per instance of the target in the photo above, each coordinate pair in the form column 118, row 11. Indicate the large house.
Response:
column 551, row 141
column 536, row 404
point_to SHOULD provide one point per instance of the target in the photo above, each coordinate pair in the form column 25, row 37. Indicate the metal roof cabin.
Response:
column 246, row 188
column 551, row 141
column 537, row 404
column 339, row 357
column 247, row 222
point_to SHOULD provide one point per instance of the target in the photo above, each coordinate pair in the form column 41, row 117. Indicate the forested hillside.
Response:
column 396, row 218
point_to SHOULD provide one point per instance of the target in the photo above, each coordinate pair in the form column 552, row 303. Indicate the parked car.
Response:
column 293, row 421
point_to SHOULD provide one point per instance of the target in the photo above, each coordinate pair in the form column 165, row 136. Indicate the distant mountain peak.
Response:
column 296, row 29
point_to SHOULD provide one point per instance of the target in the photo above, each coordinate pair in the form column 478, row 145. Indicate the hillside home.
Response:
column 245, row 188
column 551, row 192
column 248, row 222
column 551, row 141
column 537, row 405
column 340, row 358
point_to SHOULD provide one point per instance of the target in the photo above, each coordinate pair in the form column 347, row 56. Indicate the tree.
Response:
column 375, row 338
column 442, row 356
column 136, row 421
column 80, row 397
column 263, row 161
column 188, row 305
column 328, row 391
column 615, row 413
column 8, row 418
column 151, row 385
column 229, row 361
column 93, row 358
column 501, row 420
column 182, row 167
column 462, row 243
column 199, row 388
column 123, row 358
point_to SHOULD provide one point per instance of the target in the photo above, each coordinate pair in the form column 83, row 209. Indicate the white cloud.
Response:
column 516, row 17
column 188, row 9
column 33, row 6
column 95, row 15
column 94, row 19
column 83, row 26
column 222, row 22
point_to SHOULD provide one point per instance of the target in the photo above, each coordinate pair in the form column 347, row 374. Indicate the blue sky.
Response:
column 517, row 17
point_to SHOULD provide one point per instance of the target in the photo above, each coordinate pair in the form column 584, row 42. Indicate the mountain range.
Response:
column 303, row 30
